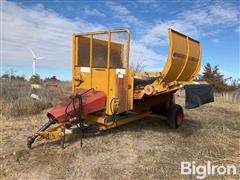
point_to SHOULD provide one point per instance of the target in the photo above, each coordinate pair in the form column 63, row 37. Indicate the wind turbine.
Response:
column 34, row 58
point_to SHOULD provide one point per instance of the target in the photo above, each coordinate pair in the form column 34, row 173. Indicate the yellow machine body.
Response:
column 101, row 63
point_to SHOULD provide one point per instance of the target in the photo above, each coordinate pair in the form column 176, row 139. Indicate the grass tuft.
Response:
column 15, row 97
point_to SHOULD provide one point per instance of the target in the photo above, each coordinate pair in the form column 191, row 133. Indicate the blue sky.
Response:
column 47, row 28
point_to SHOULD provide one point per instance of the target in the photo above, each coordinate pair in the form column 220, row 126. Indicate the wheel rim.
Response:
column 180, row 118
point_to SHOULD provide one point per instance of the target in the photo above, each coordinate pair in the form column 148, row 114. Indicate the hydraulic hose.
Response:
column 78, row 112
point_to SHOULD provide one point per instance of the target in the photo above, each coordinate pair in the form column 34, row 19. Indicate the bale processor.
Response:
column 106, row 93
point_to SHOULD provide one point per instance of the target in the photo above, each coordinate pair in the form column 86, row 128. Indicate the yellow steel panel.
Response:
column 73, row 62
column 177, row 56
column 184, row 58
column 85, row 77
column 91, row 45
column 130, row 89
column 192, row 62
column 123, row 121
column 117, row 89
column 186, row 61
column 199, row 63
column 92, row 118
column 99, row 79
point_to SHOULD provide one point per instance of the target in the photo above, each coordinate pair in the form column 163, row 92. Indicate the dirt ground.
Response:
column 145, row 149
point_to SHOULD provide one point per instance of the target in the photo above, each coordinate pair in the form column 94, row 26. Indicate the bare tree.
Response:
column 137, row 67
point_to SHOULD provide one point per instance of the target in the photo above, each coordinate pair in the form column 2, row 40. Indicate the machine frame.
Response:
column 120, row 94
column 141, row 100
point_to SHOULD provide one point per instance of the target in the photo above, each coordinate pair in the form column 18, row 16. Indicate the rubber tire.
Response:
column 173, row 112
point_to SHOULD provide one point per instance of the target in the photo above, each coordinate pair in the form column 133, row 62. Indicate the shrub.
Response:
column 25, row 106
column 35, row 79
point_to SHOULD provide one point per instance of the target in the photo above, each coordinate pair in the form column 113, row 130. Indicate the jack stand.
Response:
column 63, row 137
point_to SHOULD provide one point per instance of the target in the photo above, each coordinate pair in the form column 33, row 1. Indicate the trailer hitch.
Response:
column 31, row 139
column 70, row 114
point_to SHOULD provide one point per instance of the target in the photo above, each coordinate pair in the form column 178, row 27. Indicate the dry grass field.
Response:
column 145, row 149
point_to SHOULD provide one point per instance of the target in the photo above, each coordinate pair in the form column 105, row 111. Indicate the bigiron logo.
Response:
column 202, row 171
